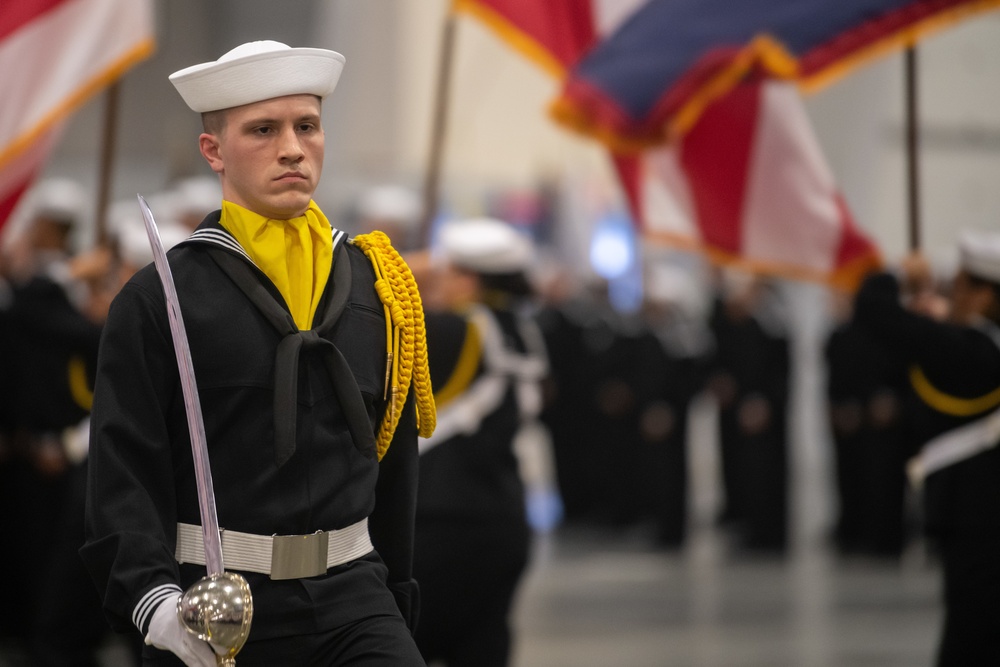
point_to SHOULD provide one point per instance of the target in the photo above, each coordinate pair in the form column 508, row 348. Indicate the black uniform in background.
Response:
column 675, row 355
column 602, row 379
column 472, row 538
column 867, row 392
column 621, row 381
column 749, row 376
column 961, row 501
column 9, row 628
column 569, row 331
column 620, row 390
column 53, row 350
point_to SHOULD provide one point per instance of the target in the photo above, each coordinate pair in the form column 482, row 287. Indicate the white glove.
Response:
column 166, row 632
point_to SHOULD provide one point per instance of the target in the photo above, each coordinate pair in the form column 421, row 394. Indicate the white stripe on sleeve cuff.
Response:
column 149, row 602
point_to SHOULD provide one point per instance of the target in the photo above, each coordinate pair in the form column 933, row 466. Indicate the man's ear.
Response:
column 208, row 144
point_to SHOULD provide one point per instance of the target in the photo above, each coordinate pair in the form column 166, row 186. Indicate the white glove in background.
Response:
column 166, row 632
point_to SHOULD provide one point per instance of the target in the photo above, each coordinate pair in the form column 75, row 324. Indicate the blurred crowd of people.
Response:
column 621, row 394
column 590, row 428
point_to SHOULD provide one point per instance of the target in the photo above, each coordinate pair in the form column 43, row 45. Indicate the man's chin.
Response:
column 289, row 207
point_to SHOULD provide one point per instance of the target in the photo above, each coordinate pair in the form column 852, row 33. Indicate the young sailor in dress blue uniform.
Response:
column 312, row 371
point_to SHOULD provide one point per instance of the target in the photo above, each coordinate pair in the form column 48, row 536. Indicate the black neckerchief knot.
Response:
column 294, row 340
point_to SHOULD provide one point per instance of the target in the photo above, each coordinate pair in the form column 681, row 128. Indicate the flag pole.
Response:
column 439, row 125
column 108, row 141
column 912, row 147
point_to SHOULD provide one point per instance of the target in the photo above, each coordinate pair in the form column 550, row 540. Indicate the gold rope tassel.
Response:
column 406, row 344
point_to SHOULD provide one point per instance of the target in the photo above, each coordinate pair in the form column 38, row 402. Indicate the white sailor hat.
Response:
column 390, row 202
column 258, row 71
column 979, row 254
column 197, row 194
column 59, row 199
column 133, row 242
column 486, row 245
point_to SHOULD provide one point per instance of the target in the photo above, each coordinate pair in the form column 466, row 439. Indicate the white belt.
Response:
column 279, row 556
column 953, row 446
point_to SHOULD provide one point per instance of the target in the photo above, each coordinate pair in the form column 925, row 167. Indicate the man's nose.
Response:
column 291, row 147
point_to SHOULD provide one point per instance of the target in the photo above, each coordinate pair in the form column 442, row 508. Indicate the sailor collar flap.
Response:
column 236, row 264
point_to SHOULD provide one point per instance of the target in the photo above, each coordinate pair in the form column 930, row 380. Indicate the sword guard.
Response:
column 218, row 609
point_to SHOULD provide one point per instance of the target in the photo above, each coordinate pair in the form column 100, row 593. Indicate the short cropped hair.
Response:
column 214, row 122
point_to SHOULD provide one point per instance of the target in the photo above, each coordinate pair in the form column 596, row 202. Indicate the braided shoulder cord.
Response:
column 406, row 343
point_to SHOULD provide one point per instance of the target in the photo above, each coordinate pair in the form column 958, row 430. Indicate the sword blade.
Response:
column 192, row 404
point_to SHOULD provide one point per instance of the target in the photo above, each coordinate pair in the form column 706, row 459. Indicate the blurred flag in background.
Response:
column 555, row 34
column 748, row 185
column 711, row 157
column 650, row 81
column 55, row 55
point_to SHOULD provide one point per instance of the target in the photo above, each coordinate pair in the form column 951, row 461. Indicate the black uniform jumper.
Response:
column 472, row 531
column 142, row 479
column 962, row 501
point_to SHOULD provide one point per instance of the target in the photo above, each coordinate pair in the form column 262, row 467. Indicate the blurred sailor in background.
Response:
column 750, row 380
column 52, row 325
column 954, row 366
column 487, row 362
column 677, row 363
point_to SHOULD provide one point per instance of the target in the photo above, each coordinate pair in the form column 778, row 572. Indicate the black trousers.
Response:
column 378, row 641
column 971, row 595
column 468, row 574
column 68, row 624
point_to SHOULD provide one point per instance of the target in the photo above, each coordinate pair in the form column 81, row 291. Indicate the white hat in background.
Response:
column 133, row 242
column 126, row 225
column 59, row 199
column 390, row 202
column 198, row 194
column 486, row 245
column 258, row 71
column 979, row 254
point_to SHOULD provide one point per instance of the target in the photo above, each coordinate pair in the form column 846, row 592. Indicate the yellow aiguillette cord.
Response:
column 951, row 405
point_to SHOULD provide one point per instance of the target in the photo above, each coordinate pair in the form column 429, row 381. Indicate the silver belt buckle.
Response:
column 299, row 556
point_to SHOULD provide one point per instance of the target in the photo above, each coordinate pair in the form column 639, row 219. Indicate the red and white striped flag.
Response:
column 54, row 55
column 749, row 185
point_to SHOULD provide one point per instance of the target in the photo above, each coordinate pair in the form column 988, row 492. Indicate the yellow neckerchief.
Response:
column 295, row 254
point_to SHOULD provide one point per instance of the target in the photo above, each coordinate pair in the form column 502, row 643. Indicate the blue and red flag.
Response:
column 713, row 154
column 649, row 81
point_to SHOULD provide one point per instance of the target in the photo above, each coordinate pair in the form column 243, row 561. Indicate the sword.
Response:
column 217, row 608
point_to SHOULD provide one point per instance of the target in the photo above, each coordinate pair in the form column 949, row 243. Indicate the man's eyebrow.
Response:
column 267, row 120
column 259, row 120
